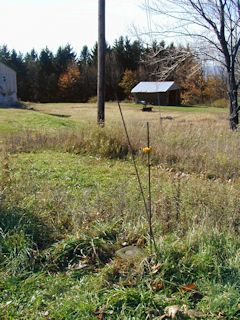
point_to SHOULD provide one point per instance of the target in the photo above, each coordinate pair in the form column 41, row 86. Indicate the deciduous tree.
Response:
column 215, row 27
column 68, row 82
column 129, row 80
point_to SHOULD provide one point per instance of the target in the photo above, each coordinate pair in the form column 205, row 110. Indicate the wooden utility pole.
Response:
column 101, row 63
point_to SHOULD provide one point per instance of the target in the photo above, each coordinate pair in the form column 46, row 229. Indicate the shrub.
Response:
column 35, row 228
column 77, row 253
column 92, row 99
column 220, row 103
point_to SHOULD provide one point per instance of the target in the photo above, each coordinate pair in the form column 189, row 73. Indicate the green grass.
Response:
column 87, row 112
column 64, row 106
column 123, row 291
column 69, row 199
column 54, row 116
column 194, row 109
column 13, row 120
column 65, row 194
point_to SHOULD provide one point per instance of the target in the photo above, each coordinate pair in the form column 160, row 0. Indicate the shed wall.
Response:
column 159, row 98
column 8, row 85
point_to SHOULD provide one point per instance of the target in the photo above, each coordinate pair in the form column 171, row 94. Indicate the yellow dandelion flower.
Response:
column 147, row 149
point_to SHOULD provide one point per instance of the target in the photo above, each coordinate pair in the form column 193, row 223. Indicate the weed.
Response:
column 77, row 254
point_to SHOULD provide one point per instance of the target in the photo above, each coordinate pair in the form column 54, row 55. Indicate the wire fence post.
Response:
column 150, row 214
column 147, row 206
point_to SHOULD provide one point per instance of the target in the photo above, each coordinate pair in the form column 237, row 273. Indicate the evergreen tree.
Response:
column 17, row 63
column 31, row 91
column 47, row 76
column 94, row 55
column 85, row 56
column 64, row 56
column 4, row 54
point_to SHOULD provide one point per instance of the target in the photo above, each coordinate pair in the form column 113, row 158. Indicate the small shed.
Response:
column 8, row 85
column 164, row 93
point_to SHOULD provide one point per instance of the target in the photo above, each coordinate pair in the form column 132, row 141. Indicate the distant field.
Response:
column 87, row 112
column 52, row 116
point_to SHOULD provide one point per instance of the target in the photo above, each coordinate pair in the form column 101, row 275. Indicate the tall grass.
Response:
column 198, row 148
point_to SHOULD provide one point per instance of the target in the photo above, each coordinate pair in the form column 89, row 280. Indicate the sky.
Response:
column 27, row 24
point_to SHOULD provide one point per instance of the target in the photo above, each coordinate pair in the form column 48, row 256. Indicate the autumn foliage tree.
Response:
column 68, row 82
column 129, row 80
column 194, row 89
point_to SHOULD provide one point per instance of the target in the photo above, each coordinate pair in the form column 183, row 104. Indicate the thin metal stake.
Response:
column 151, row 233
column 134, row 161
column 148, row 208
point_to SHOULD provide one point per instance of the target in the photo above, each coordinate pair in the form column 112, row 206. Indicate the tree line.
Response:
column 68, row 76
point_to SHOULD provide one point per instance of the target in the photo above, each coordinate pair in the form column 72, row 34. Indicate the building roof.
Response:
column 153, row 87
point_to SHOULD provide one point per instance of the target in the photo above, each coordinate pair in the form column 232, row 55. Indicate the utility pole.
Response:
column 101, row 63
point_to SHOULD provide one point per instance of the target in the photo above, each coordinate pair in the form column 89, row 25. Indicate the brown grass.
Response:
column 87, row 113
column 191, row 142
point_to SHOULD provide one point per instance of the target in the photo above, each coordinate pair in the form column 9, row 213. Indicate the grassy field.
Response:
column 87, row 112
column 69, row 200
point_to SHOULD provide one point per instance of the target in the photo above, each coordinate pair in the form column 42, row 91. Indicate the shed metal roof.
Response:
column 152, row 87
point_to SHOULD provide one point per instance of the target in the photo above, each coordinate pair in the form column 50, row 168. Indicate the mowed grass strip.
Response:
column 18, row 120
